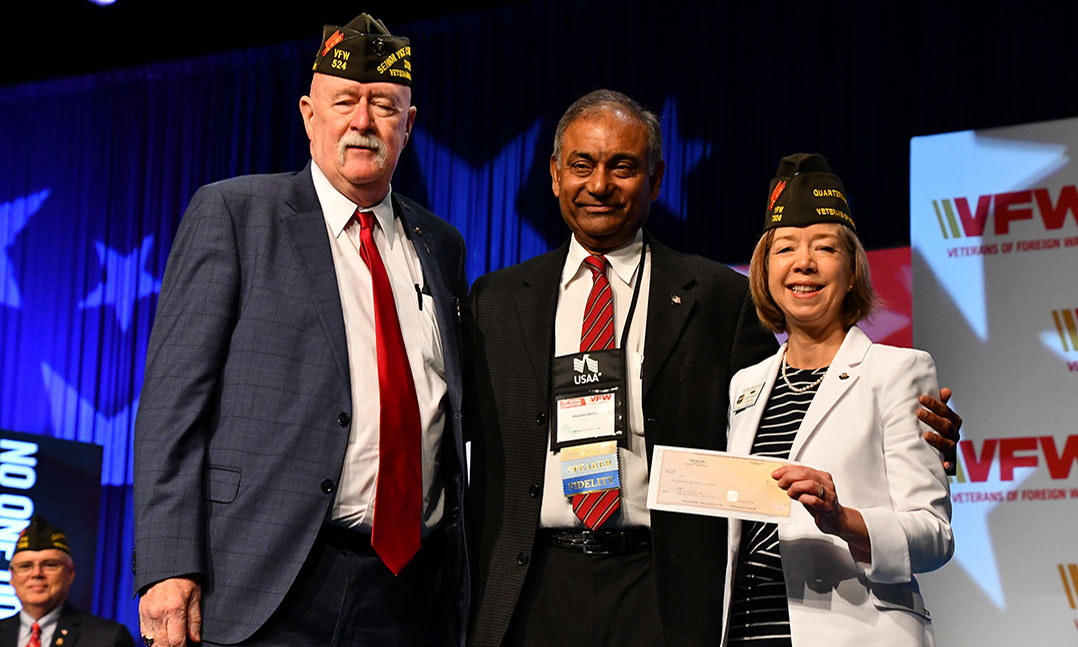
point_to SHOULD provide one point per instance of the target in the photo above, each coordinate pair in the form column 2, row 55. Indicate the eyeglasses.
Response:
column 47, row 565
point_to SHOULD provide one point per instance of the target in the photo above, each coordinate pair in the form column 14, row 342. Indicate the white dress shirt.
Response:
column 354, row 503
column 576, row 280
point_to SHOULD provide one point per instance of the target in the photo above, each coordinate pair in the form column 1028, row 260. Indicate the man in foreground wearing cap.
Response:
column 582, row 360
column 298, row 457
column 41, row 573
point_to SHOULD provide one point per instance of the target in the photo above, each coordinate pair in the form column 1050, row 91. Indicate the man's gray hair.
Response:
column 598, row 100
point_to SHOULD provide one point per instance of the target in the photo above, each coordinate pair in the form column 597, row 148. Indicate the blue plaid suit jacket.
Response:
column 244, row 414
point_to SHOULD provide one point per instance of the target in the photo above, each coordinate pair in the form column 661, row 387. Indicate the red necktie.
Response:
column 398, row 496
column 597, row 333
column 35, row 636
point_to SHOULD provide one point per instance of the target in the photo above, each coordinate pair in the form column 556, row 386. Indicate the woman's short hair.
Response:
column 859, row 303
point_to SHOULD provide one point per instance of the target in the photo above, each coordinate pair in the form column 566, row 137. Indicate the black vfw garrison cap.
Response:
column 41, row 535
column 804, row 192
column 364, row 51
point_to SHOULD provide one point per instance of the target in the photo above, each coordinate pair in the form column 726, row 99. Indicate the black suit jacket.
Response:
column 246, row 408
column 701, row 329
column 73, row 629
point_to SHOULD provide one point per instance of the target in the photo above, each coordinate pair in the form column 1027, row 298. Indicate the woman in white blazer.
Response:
column 872, row 504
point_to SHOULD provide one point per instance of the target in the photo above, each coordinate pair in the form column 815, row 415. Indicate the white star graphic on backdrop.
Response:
column 13, row 217
column 969, row 523
column 990, row 165
column 125, row 282
column 687, row 153
column 1051, row 340
column 75, row 418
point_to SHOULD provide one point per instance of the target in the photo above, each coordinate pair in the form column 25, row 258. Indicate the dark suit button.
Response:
column 343, row 419
column 534, row 490
column 522, row 559
column 540, row 418
column 327, row 485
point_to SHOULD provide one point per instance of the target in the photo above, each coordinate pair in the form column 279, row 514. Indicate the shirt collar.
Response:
column 623, row 261
column 45, row 621
column 338, row 209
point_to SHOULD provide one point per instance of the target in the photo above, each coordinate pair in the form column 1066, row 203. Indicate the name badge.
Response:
column 748, row 397
column 589, row 399
column 590, row 468
column 585, row 418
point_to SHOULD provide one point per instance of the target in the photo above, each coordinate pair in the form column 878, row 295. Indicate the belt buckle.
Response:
column 592, row 544
column 599, row 551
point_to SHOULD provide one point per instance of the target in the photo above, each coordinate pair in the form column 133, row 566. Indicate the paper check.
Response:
column 700, row 481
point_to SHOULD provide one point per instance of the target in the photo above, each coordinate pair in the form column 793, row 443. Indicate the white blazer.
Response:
column 862, row 428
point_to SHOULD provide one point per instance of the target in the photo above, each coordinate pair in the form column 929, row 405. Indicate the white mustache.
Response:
column 353, row 139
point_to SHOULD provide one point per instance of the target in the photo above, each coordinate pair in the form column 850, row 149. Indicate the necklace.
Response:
column 794, row 388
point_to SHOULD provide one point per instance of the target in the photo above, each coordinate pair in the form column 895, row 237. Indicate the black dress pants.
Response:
column 575, row 600
column 346, row 597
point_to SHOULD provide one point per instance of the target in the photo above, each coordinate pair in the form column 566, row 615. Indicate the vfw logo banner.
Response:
column 994, row 232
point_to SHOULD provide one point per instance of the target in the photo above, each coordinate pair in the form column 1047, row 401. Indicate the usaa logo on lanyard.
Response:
column 587, row 369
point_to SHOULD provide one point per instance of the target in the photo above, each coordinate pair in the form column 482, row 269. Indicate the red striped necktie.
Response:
column 597, row 333
column 398, row 495
column 35, row 636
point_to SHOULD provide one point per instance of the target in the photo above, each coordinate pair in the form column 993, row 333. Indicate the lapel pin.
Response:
column 59, row 641
column 844, row 376
column 675, row 299
column 418, row 231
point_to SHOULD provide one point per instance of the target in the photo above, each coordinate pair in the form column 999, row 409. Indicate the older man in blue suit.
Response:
column 298, row 457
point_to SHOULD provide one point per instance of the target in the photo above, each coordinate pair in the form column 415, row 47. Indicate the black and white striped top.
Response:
column 758, row 612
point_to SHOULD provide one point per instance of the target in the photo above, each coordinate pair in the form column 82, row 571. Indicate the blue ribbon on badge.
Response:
column 590, row 468
column 591, row 483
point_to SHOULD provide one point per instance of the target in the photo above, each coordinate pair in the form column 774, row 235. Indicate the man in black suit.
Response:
column 41, row 573
column 547, row 572
column 642, row 577
column 298, row 455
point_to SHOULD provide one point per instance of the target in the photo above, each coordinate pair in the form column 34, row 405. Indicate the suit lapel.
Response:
column 670, row 301
column 847, row 362
column 310, row 240
column 536, row 304
column 67, row 627
column 742, row 442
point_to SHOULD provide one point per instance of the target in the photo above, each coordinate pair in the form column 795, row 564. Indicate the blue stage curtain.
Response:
column 94, row 175
column 95, row 171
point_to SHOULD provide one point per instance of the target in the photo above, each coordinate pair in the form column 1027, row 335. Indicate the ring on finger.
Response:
column 820, row 495
column 148, row 640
